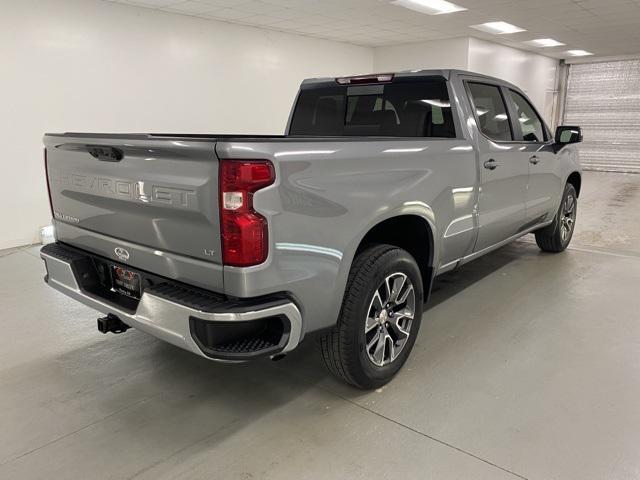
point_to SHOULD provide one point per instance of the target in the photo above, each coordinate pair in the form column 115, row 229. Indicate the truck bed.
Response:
column 212, row 137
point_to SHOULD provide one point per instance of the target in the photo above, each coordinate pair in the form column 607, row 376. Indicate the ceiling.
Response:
column 603, row 27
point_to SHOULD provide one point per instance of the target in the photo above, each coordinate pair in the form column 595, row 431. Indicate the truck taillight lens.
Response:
column 244, row 231
column 46, row 177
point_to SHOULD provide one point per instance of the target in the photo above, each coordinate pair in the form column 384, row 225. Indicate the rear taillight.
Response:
column 244, row 231
column 46, row 176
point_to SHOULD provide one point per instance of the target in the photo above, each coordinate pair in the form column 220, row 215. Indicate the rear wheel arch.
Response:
column 410, row 232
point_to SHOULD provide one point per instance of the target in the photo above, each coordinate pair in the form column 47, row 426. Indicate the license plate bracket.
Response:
column 126, row 282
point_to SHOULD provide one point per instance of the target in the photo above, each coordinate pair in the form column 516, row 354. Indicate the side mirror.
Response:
column 566, row 135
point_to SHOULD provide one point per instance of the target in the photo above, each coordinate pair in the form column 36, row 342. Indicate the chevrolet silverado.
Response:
column 237, row 247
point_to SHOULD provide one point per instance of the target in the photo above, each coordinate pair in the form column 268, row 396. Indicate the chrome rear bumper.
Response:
column 171, row 320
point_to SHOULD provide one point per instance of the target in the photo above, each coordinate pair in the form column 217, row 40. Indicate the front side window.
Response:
column 399, row 109
column 530, row 123
column 491, row 111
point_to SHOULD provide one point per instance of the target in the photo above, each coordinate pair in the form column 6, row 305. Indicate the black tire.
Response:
column 555, row 238
column 344, row 348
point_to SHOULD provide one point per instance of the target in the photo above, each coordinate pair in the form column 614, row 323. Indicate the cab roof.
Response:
column 417, row 74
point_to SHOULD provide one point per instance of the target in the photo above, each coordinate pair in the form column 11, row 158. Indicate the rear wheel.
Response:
column 557, row 236
column 379, row 319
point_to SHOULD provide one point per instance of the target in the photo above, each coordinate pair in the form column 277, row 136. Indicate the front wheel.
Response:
column 556, row 237
column 379, row 319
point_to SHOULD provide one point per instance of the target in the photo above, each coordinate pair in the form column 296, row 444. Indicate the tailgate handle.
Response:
column 105, row 154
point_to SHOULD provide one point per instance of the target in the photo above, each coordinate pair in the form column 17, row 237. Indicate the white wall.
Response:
column 451, row 53
column 89, row 65
column 533, row 73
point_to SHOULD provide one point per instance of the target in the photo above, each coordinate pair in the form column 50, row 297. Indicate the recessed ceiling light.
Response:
column 578, row 53
column 499, row 28
column 430, row 7
column 544, row 42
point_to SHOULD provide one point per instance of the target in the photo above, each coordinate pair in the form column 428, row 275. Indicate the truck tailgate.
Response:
column 156, row 198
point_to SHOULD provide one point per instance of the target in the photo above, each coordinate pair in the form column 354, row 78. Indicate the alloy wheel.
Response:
column 567, row 217
column 389, row 318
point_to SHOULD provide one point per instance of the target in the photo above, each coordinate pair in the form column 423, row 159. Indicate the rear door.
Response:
column 503, row 173
column 535, row 146
column 154, row 197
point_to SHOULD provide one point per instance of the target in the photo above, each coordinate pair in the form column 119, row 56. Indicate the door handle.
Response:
column 105, row 153
column 534, row 160
column 490, row 164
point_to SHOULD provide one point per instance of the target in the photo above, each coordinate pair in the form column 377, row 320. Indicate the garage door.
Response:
column 604, row 98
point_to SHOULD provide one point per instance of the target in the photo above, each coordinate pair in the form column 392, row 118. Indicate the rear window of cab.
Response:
column 403, row 109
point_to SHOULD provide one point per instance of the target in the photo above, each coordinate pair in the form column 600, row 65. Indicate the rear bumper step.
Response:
column 202, row 322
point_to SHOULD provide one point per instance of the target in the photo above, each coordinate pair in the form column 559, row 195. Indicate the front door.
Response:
column 536, row 148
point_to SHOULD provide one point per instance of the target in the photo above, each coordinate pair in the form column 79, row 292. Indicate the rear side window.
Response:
column 530, row 123
column 491, row 111
column 401, row 109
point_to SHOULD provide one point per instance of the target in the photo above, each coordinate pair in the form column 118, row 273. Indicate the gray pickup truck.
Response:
column 239, row 247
